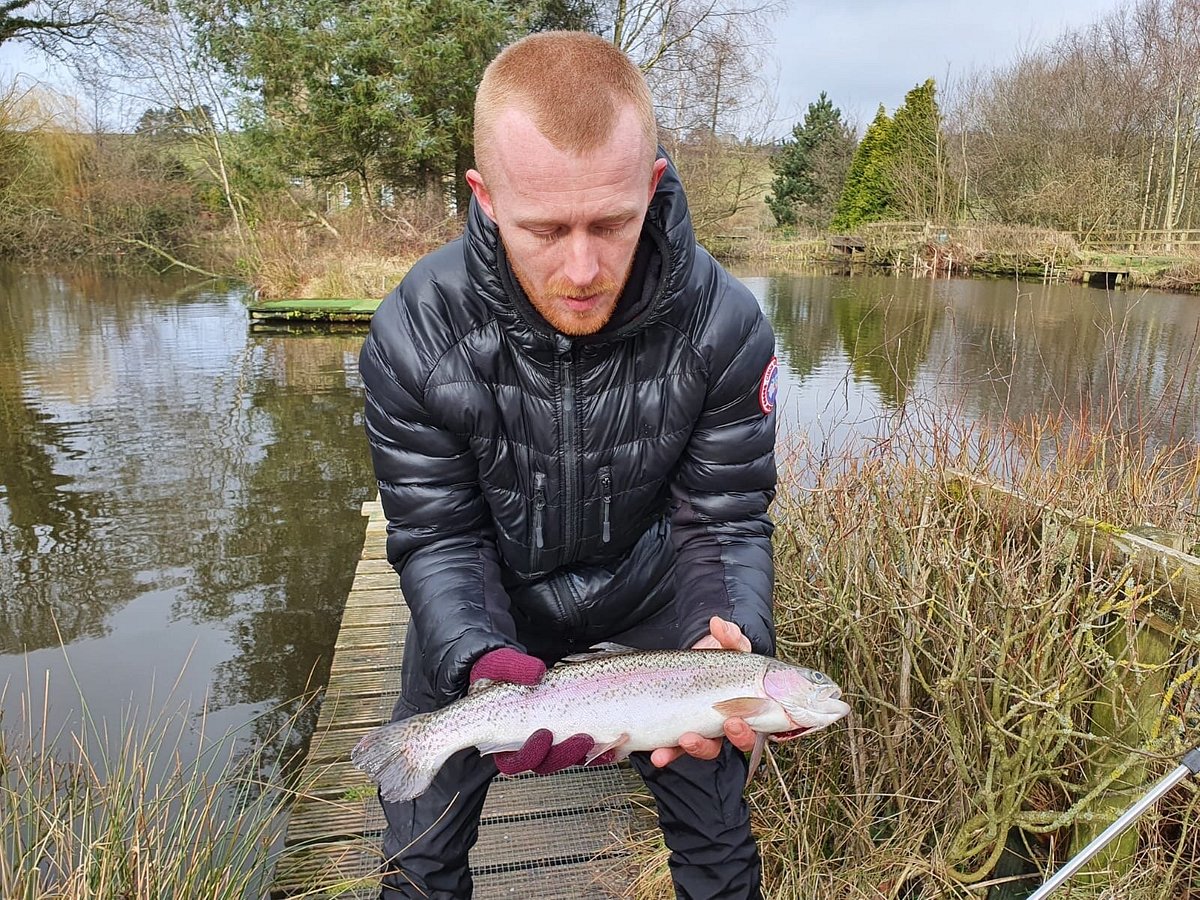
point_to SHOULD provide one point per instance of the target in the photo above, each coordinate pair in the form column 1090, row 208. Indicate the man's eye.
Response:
column 546, row 236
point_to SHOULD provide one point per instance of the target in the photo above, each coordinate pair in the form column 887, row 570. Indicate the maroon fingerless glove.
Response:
column 539, row 754
column 507, row 664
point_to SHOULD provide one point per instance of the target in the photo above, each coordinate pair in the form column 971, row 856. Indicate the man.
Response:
column 570, row 412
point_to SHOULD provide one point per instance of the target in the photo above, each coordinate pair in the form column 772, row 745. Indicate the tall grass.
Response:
column 133, row 810
column 973, row 649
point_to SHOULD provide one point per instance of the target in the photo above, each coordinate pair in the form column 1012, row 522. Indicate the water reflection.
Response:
column 172, row 488
column 861, row 348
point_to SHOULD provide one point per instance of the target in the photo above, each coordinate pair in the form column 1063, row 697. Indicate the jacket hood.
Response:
column 667, row 231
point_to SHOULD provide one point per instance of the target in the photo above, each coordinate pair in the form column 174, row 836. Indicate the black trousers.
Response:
column 701, row 809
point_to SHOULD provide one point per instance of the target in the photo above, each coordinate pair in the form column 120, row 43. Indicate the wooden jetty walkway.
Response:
column 321, row 310
column 559, row 836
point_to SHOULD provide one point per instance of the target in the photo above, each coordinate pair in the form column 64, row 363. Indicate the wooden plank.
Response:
column 360, row 615
column 388, row 595
column 357, row 711
column 335, row 744
column 338, row 779
column 1174, row 576
column 374, row 550
column 373, row 581
column 355, row 659
column 363, row 684
column 570, row 837
column 336, row 817
column 595, row 880
column 335, row 866
column 351, row 867
column 371, row 636
column 376, row 567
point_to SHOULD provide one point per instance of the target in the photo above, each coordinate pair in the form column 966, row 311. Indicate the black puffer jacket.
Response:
column 572, row 486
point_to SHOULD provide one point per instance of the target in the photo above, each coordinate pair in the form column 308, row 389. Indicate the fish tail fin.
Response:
column 400, row 758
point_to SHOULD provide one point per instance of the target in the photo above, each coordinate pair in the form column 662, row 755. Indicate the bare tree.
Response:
column 157, row 63
column 56, row 26
column 1085, row 140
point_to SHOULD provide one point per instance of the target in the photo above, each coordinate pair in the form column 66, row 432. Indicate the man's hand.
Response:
column 721, row 635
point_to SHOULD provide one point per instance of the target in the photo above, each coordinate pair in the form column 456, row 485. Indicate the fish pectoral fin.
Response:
column 598, row 651
column 615, row 745
column 743, row 707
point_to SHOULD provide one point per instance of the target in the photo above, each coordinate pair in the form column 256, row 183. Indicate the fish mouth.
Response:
column 781, row 736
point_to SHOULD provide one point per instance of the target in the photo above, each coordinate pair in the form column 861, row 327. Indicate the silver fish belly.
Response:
column 626, row 701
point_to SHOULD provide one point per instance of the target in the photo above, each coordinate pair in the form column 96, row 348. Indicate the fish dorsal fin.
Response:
column 598, row 651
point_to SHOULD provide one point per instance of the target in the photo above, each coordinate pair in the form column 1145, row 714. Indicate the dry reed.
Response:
column 972, row 648
column 125, row 810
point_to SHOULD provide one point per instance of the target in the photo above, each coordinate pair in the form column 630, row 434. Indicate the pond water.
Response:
column 179, row 495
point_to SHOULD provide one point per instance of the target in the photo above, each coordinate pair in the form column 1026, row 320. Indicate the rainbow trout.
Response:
column 625, row 699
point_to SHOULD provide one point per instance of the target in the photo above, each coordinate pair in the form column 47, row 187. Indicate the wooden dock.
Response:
column 1104, row 274
column 560, row 836
column 331, row 309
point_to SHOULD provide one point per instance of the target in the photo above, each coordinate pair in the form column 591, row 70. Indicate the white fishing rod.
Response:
column 1190, row 765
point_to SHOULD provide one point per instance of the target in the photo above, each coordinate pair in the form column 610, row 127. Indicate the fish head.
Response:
column 810, row 698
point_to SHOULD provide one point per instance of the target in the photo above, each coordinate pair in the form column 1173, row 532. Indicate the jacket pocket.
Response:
column 606, row 503
column 539, row 514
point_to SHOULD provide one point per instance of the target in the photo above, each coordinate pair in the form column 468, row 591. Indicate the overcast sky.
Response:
column 865, row 52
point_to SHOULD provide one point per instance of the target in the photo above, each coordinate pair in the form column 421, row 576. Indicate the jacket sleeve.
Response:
column 440, row 537
column 726, row 481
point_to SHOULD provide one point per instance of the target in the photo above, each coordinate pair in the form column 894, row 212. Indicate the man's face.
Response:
column 570, row 224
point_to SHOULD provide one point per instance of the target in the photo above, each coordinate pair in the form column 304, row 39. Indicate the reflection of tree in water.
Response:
column 885, row 334
column 280, row 568
column 1077, row 352
column 146, row 447
column 63, row 560
column 800, row 313
column 884, row 326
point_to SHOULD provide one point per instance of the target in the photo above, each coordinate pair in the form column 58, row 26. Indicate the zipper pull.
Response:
column 605, row 500
column 539, row 504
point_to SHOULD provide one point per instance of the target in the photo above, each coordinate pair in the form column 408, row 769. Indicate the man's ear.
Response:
column 656, row 174
column 479, row 189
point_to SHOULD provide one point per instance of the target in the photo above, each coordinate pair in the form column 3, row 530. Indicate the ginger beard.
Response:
column 573, row 310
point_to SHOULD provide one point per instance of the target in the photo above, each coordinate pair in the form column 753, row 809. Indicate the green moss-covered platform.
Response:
column 328, row 309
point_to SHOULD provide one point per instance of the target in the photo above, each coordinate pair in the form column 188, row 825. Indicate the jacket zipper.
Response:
column 539, row 504
column 605, row 500
column 571, row 514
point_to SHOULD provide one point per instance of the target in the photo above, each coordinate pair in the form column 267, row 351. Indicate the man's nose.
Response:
column 582, row 265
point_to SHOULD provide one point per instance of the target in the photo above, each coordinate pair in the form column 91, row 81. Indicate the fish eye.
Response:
column 817, row 677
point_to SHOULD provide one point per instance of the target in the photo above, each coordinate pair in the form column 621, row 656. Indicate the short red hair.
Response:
column 572, row 84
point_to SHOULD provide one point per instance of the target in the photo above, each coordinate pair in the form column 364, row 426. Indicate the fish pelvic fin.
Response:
column 398, row 758
column 611, row 752
column 760, row 742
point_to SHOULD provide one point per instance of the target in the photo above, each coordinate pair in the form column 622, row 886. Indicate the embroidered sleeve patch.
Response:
column 768, row 387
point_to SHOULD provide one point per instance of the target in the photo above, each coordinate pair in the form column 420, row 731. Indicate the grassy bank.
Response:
column 979, row 655
column 1005, row 251
column 129, row 810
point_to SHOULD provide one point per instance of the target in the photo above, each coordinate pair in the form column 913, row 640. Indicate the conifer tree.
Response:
column 866, row 196
column 810, row 169
column 916, row 168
